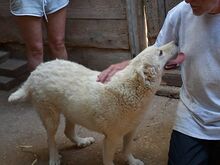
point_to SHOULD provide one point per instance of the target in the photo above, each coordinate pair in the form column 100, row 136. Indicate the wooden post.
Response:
column 169, row 4
column 136, row 26
column 155, row 16
column 156, row 12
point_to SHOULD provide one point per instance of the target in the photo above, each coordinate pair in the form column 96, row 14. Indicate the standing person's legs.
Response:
column 214, row 150
column 56, row 33
column 31, row 31
column 186, row 150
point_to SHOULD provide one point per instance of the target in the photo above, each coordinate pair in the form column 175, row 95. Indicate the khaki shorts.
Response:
column 36, row 8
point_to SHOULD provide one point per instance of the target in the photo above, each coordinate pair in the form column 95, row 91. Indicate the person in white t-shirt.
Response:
column 195, row 27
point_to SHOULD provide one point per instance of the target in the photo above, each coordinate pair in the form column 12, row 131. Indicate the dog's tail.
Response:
column 21, row 95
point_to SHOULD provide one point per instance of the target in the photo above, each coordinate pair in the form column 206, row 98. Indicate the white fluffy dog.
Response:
column 114, row 109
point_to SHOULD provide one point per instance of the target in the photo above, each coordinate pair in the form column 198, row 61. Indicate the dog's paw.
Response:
column 55, row 161
column 136, row 162
column 83, row 142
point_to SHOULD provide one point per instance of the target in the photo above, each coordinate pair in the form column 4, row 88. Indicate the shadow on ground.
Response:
column 23, row 138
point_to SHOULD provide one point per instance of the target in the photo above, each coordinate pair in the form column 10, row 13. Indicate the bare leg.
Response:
column 50, row 118
column 31, row 32
column 56, row 33
column 72, row 135
column 127, row 141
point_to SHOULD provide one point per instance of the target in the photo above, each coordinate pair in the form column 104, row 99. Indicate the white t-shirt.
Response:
column 198, row 113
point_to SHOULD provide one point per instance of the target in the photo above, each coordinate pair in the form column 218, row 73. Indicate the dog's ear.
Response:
column 149, row 73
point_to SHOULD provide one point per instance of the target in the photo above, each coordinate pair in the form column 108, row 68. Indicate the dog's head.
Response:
column 151, row 61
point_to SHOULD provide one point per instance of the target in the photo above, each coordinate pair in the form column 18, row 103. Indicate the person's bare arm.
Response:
column 106, row 75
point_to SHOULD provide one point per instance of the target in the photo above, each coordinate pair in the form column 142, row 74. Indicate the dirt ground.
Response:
column 23, row 138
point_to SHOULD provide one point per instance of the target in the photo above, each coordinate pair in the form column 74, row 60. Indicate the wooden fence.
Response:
column 98, row 32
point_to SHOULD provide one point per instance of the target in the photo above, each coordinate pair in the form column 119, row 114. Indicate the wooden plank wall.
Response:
column 156, row 11
column 8, row 30
column 137, row 28
column 92, row 24
column 97, row 31
column 105, row 32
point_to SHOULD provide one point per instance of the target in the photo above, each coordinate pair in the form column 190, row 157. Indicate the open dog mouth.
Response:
column 175, row 63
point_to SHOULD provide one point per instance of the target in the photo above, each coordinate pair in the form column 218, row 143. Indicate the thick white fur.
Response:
column 114, row 109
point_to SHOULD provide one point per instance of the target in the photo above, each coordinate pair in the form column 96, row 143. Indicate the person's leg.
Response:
column 214, row 149
column 56, row 33
column 186, row 150
column 31, row 31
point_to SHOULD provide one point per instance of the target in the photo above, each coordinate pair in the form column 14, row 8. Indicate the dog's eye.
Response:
column 161, row 53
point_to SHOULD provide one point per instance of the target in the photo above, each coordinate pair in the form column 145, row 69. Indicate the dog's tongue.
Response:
column 172, row 64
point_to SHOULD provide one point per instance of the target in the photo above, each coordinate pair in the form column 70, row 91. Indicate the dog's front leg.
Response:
column 71, row 134
column 127, row 142
column 110, row 145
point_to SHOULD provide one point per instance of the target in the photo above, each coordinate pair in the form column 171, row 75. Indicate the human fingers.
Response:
column 178, row 60
column 110, row 75
column 104, row 75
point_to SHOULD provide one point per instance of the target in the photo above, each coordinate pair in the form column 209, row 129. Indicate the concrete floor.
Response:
column 23, row 138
